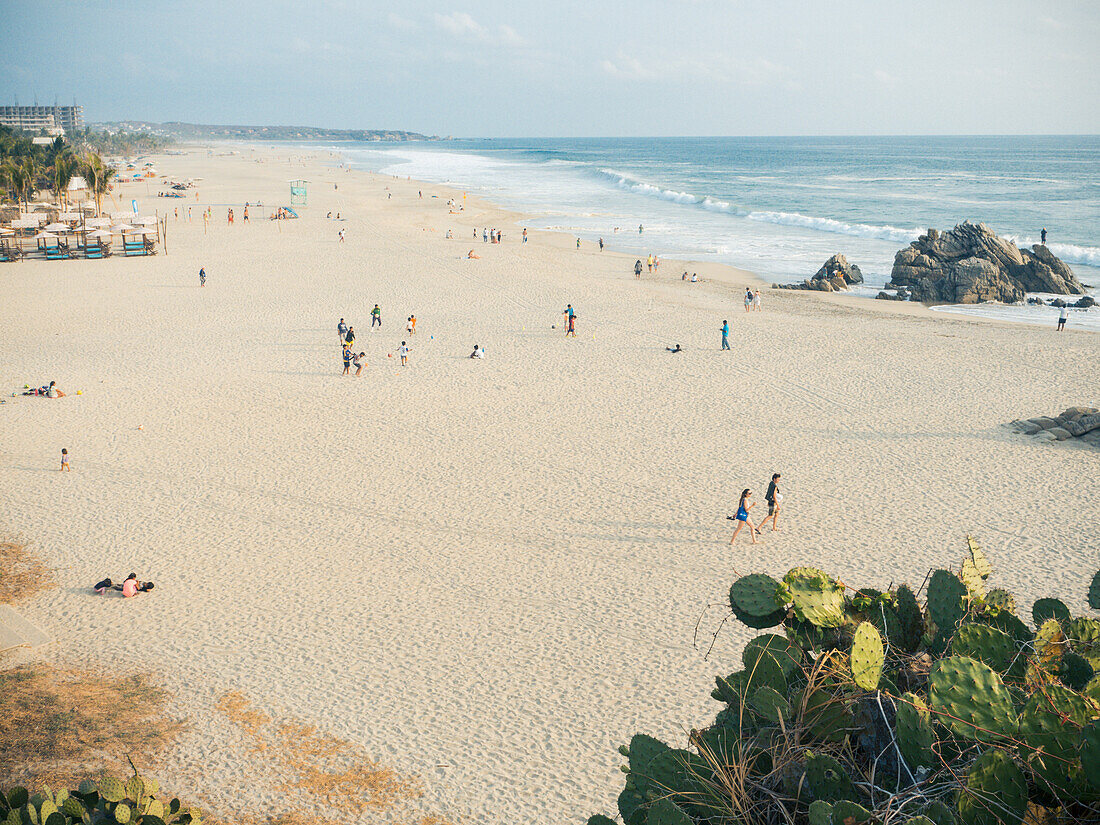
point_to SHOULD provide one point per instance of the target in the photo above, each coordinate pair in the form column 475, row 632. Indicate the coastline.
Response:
column 486, row 573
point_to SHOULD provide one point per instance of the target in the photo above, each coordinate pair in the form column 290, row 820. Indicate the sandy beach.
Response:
column 487, row 573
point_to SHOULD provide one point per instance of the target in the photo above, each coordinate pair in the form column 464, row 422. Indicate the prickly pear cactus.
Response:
column 910, row 619
column 818, row 598
column 1051, row 728
column 827, row 778
column 847, row 812
column 756, row 594
column 946, row 601
column 969, row 698
column 1094, row 592
column 1044, row 609
column 986, row 644
column 915, row 734
column 785, row 653
column 666, row 812
column 867, row 657
column 111, row 789
column 995, row 792
column 820, row 813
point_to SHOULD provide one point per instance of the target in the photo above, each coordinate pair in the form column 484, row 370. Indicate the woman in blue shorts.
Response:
column 742, row 517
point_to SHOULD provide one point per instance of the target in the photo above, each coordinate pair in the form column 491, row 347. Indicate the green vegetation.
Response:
column 871, row 709
column 27, row 168
column 106, row 800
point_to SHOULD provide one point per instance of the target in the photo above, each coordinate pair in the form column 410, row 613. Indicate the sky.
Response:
column 502, row 68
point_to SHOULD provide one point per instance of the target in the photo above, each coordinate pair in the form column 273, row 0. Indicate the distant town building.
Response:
column 56, row 120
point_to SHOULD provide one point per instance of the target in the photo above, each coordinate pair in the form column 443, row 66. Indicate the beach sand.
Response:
column 488, row 573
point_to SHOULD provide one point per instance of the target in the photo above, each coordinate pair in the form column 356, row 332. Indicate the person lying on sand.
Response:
column 678, row 348
column 472, row 257
column 50, row 391
column 130, row 587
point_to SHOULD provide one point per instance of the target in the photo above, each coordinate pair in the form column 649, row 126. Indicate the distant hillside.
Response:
column 198, row 131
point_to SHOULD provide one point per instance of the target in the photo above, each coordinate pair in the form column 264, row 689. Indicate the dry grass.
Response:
column 22, row 574
column 319, row 769
column 60, row 726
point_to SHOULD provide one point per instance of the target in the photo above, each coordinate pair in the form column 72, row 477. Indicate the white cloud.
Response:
column 462, row 25
column 716, row 67
column 399, row 22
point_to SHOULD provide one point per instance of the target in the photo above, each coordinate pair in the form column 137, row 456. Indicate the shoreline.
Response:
column 723, row 273
column 484, row 573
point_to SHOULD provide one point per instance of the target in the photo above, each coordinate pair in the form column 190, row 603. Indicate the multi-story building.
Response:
column 54, row 119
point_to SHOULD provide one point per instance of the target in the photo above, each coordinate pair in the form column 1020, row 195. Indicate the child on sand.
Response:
column 404, row 352
column 65, row 468
column 359, row 362
column 202, row 276
column 347, row 359
column 376, row 316
column 742, row 517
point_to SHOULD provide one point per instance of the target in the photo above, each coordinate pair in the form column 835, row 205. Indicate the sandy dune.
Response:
column 493, row 566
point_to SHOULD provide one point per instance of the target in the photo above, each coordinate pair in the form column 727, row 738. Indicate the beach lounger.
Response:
column 96, row 251
column 58, row 253
column 10, row 253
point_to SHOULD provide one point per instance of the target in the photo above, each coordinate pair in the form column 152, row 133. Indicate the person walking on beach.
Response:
column 202, row 276
column 230, row 217
column 649, row 262
column 349, row 337
column 742, row 517
column 775, row 502
column 341, row 234
column 725, row 334
column 756, row 300
column 484, row 235
column 638, row 269
column 1063, row 316
column 403, row 350
column 245, row 216
column 346, row 354
column 412, row 325
column 578, row 243
column 342, row 331
column 376, row 317
column 748, row 300
column 65, row 468
column 601, row 244
column 525, row 234
column 1043, row 236
column 639, row 229
column 359, row 362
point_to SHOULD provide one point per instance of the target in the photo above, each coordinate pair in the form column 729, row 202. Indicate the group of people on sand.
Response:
column 490, row 235
column 50, row 390
column 744, row 507
column 346, row 334
column 131, row 586
column 752, row 299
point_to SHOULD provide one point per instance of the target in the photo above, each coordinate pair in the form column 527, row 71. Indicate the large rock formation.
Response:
column 835, row 275
column 970, row 265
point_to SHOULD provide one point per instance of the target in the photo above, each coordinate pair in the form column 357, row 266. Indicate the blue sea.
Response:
column 782, row 206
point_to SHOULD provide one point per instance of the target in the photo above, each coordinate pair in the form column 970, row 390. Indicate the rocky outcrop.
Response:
column 971, row 265
column 837, row 274
column 1079, row 423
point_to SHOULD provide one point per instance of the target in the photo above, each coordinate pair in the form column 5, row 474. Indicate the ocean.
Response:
column 782, row 206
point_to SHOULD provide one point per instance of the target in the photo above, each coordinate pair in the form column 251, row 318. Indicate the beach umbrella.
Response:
column 99, row 233
column 5, row 231
column 121, row 227
column 58, row 227
column 44, row 235
column 97, row 223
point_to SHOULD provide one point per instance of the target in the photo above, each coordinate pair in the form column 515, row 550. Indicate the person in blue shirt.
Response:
column 347, row 359
column 725, row 335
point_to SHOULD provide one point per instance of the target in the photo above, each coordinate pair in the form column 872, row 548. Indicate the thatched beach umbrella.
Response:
column 58, row 227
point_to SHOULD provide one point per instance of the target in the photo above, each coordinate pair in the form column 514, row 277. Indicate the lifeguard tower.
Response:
column 298, row 193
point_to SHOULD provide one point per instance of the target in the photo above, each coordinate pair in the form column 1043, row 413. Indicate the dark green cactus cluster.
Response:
column 104, row 800
column 867, row 706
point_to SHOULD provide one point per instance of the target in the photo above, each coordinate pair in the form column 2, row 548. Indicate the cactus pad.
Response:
column 827, row 778
column 600, row 819
column 940, row 814
column 975, row 584
column 820, row 813
column 667, row 812
column 1044, row 609
column 1050, row 727
column 867, row 656
column 914, row 729
column 910, row 618
column 787, row 654
column 986, row 644
column 1090, row 754
column 995, row 793
column 756, row 594
column 770, row 703
column 1001, row 599
column 847, row 812
column 111, row 789
column 946, row 600
column 826, row 715
column 73, row 807
column 984, row 568
column 1094, row 592
column 122, row 813
column 969, row 698
column 1084, row 636
column 818, row 598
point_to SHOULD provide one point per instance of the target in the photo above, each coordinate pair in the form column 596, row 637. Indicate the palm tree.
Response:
column 20, row 178
column 97, row 175
column 64, row 167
